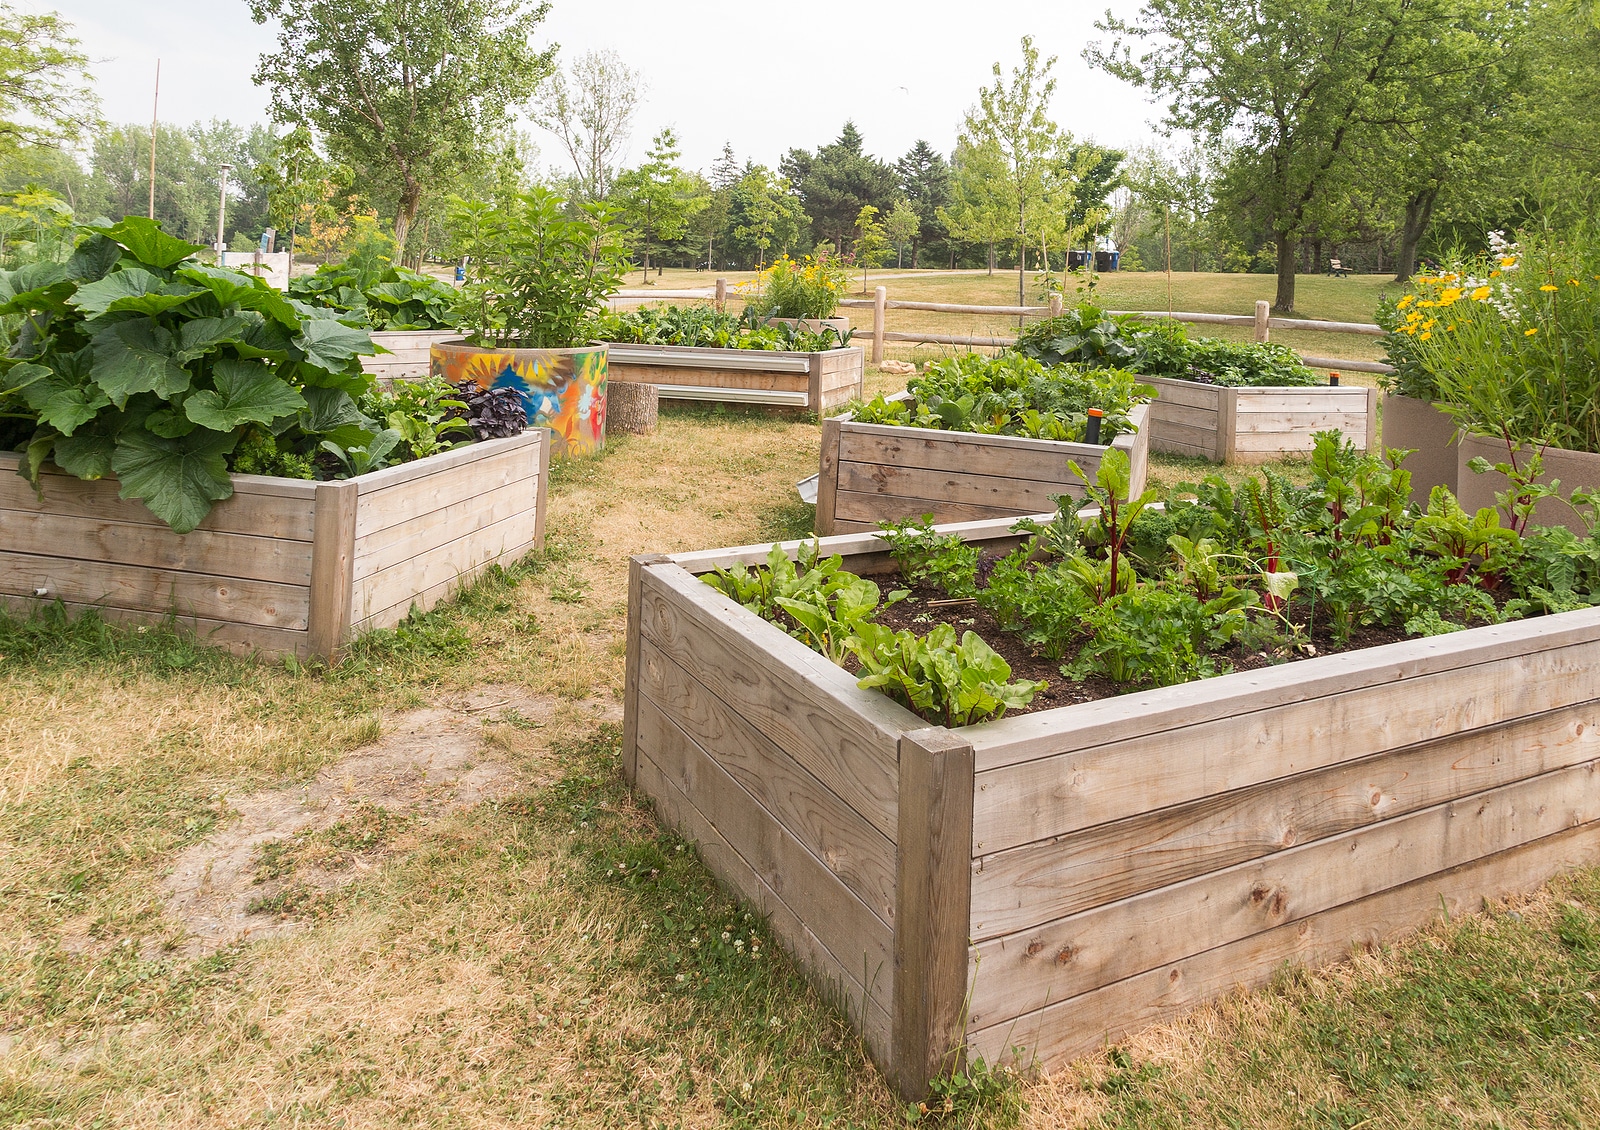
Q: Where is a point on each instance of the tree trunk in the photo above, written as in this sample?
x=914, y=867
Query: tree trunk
x=406, y=212
x=1316, y=256
x=1419, y=210
x=991, y=258
x=916, y=249
x=1287, y=248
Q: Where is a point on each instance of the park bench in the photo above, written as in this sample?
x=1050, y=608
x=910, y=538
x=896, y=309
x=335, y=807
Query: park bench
x=1337, y=269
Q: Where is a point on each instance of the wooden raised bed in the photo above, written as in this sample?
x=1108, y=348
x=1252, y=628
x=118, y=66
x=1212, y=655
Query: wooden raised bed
x=409, y=353
x=870, y=473
x=1033, y=887
x=1256, y=425
x=815, y=382
x=284, y=567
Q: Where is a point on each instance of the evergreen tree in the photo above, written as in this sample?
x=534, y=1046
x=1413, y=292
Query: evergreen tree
x=925, y=181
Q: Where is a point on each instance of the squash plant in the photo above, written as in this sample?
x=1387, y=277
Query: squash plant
x=134, y=359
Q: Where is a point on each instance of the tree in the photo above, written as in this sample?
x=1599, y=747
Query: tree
x=590, y=110
x=925, y=182
x=1013, y=121
x=45, y=97
x=119, y=180
x=658, y=197
x=763, y=214
x=403, y=91
x=1301, y=83
x=296, y=179
x=871, y=244
x=836, y=182
x=901, y=226
x=977, y=210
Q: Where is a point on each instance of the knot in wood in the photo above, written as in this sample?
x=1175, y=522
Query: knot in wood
x=1066, y=954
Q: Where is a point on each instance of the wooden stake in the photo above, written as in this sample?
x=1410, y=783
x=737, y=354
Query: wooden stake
x=155, y=112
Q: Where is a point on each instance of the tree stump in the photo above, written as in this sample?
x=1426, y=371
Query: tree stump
x=632, y=407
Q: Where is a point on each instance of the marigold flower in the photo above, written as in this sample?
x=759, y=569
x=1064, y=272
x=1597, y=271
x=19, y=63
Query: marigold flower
x=1480, y=294
x=1530, y=333
x=1424, y=335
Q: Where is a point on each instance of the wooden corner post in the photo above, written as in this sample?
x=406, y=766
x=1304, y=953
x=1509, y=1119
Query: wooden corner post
x=880, y=303
x=1263, y=319
x=827, y=477
x=630, y=690
x=541, y=488
x=333, y=559
x=1372, y=422
x=933, y=907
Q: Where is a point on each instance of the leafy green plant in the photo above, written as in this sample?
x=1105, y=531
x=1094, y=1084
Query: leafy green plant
x=380, y=296
x=943, y=681
x=807, y=289
x=133, y=359
x=1156, y=635
x=923, y=554
x=1111, y=490
x=537, y=270
x=704, y=326
x=1012, y=395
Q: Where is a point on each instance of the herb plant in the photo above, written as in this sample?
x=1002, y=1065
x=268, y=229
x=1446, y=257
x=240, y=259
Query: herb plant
x=706, y=327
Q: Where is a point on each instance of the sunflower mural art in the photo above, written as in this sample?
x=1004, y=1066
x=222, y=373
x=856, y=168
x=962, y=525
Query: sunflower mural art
x=562, y=389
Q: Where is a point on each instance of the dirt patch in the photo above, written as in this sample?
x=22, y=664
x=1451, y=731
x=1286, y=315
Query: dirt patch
x=423, y=763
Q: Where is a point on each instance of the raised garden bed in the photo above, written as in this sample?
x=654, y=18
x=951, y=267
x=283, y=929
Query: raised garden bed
x=1256, y=425
x=815, y=382
x=1429, y=433
x=1035, y=886
x=284, y=566
x=871, y=473
x=409, y=352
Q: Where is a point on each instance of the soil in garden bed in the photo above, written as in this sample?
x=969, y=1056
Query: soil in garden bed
x=928, y=605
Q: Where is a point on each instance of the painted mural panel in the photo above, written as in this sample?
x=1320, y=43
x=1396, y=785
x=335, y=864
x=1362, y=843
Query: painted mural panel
x=562, y=389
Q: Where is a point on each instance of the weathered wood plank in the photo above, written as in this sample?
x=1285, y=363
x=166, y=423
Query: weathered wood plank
x=332, y=568
x=470, y=453
x=1040, y=799
x=827, y=480
x=1259, y=401
x=842, y=839
x=808, y=707
x=203, y=551
x=1050, y=732
x=1175, y=415
x=1097, y=947
x=398, y=544
x=933, y=903
x=146, y=589
x=239, y=639
x=1051, y=879
x=399, y=503
x=630, y=680
x=250, y=511
x=868, y=510
x=1191, y=394
x=860, y=993
x=858, y=941
x=442, y=564
x=997, y=492
x=1084, y=1024
x=432, y=595
x=711, y=378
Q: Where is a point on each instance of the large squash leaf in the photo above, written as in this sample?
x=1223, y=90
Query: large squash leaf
x=247, y=392
x=64, y=396
x=35, y=286
x=137, y=356
x=149, y=244
x=200, y=336
x=86, y=456
x=178, y=479
x=94, y=258
x=132, y=289
x=331, y=344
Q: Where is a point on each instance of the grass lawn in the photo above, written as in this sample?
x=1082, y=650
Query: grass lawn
x=412, y=891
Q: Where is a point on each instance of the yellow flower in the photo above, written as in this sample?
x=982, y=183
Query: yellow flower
x=1480, y=294
x=1572, y=282
x=1548, y=287
x=1404, y=302
x=1508, y=261
x=1450, y=329
x=1424, y=335
x=1496, y=274
x=1427, y=302
x=1529, y=333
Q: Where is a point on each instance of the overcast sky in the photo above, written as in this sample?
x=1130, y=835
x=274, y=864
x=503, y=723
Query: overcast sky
x=762, y=76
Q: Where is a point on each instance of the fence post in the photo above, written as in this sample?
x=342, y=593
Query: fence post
x=1263, y=325
x=880, y=298
x=722, y=294
x=1055, y=305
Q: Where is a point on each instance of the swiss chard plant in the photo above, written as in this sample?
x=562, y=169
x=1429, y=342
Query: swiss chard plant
x=136, y=360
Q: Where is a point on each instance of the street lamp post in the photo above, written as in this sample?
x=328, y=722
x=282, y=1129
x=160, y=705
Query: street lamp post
x=222, y=214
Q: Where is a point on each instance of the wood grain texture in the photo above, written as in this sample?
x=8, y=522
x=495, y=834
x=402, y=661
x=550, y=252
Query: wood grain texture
x=933, y=906
x=399, y=544
x=630, y=680
x=1072, y=955
x=1040, y=799
x=860, y=993
x=433, y=594
x=238, y=639
x=386, y=504
x=827, y=478
x=332, y=568
x=857, y=941
x=1038, y=882
x=1083, y=1024
x=542, y=495
x=811, y=709
x=454, y=562
x=434, y=465
x=140, y=588
x=843, y=840
x=281, y=560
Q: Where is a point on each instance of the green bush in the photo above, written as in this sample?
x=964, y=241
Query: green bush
x=808, y=289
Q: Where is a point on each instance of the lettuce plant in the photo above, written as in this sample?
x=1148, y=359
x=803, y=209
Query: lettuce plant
x=134, y=359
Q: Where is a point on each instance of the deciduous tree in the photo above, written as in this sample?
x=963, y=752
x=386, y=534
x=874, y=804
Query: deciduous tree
x=589, y=107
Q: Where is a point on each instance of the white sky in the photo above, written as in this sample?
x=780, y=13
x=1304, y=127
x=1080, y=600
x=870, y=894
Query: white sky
x=766, y=77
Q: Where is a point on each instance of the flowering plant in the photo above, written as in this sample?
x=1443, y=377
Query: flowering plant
x=807, y=289
x=1507, y=342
